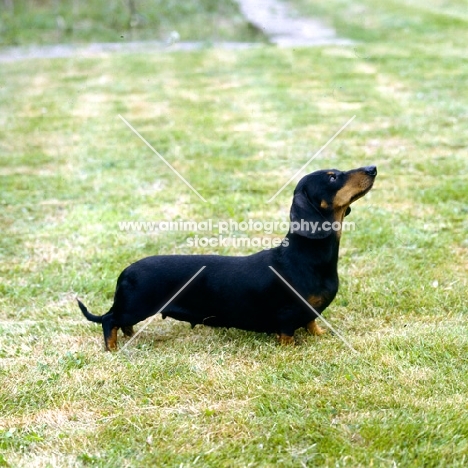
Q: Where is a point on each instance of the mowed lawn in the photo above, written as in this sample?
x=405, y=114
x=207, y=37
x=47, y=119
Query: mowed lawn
x=237, y=125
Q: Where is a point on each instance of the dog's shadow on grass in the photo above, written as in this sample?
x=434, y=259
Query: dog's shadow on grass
x=174, y=334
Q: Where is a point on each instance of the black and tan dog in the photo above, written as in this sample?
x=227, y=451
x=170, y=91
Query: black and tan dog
x=244, y=292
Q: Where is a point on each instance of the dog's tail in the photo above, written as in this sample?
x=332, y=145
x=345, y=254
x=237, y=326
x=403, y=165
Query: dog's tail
x=89, y=315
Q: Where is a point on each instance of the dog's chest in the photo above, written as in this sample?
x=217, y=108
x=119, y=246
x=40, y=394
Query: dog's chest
x=320, y=294
x=320, y=301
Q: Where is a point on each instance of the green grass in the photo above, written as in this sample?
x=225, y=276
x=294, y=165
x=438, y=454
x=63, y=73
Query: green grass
x=237, y=125
x=51, y=21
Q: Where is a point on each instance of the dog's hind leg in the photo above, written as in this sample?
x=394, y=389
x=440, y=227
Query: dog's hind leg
x=110, y=333
x=285, y=339
x=128, y=330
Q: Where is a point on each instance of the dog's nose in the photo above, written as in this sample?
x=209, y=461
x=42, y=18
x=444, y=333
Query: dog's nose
x=371, y=170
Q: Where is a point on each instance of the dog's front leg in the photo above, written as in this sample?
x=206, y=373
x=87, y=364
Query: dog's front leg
x=314, y=329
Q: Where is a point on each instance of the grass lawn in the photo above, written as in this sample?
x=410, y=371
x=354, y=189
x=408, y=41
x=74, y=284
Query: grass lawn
x=237, y=125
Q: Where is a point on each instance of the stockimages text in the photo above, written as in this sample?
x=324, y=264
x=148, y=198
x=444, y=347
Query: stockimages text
x=245, y=233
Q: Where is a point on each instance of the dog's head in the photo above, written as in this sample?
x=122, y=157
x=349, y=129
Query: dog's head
x=323, y=198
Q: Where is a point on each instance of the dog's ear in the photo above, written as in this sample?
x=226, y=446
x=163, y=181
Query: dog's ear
x=307, y=218
x=348, y=210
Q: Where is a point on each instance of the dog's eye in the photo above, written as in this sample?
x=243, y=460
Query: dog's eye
x=332, y=177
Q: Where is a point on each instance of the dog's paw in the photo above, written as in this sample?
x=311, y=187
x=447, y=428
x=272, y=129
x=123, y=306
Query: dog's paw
x=314, y=329
x=285, y=339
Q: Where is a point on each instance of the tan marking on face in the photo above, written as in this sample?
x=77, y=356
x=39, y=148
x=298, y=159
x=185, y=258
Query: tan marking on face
x=339, y=215
x=356, y=184
x=111, y=342
x=330, y=173
x=323, y=204
x=314, y=329
x=285, y=339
